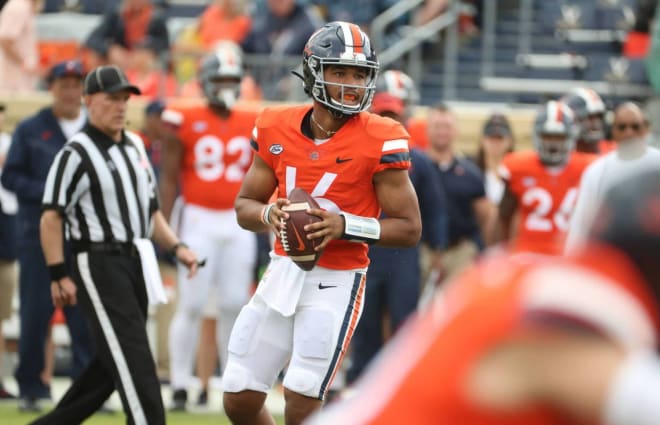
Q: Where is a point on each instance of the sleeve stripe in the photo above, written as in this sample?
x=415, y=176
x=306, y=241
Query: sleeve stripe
x=171, y=116
x=392, y=145
x=395, y=157
x=254, y=145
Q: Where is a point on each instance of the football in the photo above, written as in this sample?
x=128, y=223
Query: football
x=293, y=236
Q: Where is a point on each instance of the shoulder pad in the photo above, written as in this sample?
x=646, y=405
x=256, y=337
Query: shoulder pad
x=383, y=127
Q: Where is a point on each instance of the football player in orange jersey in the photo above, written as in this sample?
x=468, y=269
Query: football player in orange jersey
x=534, y=340
x=589, y=110
x=399, y=84
x=206, y=156
x=542, y=184
x=354, y=164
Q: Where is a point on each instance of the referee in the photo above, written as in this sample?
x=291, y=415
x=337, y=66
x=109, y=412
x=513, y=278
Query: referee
x=103, y=187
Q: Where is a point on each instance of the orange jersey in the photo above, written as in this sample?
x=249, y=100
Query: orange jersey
x=546, y=199
x=422, y=378
x=216, y=153
x=337, y=173
x=606, y=146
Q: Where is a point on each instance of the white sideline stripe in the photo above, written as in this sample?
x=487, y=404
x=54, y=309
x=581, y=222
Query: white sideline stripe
x=113, y=343
x=397, y=144
x=298, y=206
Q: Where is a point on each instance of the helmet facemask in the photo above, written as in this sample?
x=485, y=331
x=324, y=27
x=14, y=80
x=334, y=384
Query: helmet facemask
x=319, y=87
x=222, y=92
x=593, y=130
x=554, y=149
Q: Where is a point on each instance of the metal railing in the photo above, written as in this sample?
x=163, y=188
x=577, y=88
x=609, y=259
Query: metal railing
x=411, y=41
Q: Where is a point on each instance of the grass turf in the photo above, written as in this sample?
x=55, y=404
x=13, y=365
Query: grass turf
x=9, y=415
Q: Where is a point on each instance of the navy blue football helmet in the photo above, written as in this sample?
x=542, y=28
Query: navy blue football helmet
x=339, y=43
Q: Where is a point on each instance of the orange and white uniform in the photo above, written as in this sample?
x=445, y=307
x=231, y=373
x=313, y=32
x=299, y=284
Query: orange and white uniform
x=338, y=173
x=215, y=156
x=306, y=319
x=216, y=153
x=546, y=198
x=423, y=377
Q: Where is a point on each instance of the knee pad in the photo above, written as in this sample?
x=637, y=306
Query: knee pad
x=242, y=339
x=301, y=381
x=235, y=378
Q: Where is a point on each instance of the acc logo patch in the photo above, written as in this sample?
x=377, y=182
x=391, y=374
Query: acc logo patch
x=276, y=149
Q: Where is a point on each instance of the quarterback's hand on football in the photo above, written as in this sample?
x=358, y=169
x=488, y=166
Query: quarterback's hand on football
x=276, y=215
x=331, y=227
x=63, y=292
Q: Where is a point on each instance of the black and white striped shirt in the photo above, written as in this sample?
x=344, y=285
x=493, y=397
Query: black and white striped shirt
x=105, y=190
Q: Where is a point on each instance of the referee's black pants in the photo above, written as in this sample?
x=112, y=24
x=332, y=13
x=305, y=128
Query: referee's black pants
x=112, y=294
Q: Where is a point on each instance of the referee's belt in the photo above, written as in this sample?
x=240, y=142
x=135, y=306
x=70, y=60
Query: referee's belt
x=116, y=248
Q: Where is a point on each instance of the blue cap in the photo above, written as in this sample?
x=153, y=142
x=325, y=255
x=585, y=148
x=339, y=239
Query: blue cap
x=70, y=68
x=155, y=107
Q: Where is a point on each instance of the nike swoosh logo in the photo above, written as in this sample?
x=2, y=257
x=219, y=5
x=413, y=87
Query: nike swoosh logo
x=301, y=241
x=322, y=286
x=342, y=160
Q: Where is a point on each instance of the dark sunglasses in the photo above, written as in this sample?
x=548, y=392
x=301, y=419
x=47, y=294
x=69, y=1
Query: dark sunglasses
x=633, y=126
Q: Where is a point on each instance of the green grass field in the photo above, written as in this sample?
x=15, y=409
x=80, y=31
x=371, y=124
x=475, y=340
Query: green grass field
x=9, y=415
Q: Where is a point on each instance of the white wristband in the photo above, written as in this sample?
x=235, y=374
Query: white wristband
x=265, y=217
x=360, y=229
x=633, y=394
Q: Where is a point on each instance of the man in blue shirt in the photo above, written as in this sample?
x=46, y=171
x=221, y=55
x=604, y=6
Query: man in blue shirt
x=36, y=141
x=394, y=276
x=471, y=214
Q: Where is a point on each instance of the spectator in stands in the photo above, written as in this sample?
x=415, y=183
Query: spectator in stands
x=19, y=54
x=35, y=143
x=496, y=141
x=394, y=275
x=471, y=214
x=638, y=40
x=429, y=10
x=221, y=20
x=149, y=72
x=360, y=12
x=123, y=28
x=280, y=31
x=629, y=132
x=8, y=270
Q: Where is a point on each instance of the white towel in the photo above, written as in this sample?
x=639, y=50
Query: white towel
x=151, y=272
x=281, y=285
